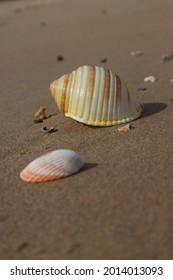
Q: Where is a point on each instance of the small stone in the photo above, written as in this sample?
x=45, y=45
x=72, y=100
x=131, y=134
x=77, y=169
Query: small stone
x=104, y=12
x=167, y=57
x=141, y=33
x=43, y=23
x=151, y=79
x=47, y=147
x=104, y=60
x=141, y=89
x=60, y=58
x=171, y=80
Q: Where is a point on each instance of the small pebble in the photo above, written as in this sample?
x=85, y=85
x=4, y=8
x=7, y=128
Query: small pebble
x=125, y=128
x=167, y=57
x=48, y=130
x=43, y=23
x=136, y=53
x=171, y=80
x=151, y=79
x=104, y=12
x=104, y=60
x=60, y=58
x=141, y=89
x=47, y=147
x=141, y=33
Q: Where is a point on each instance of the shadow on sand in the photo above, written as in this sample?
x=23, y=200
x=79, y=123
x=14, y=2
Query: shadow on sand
x=88, y=166
x=152, y=108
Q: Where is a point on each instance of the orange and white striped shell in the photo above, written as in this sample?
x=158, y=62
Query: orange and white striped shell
x=94, y=96
x=52, y=166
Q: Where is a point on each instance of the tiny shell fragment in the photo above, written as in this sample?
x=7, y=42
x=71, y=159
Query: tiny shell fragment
x=48, y=130
x=151, y=79
x=125, y=128
x=136, y=53
x=40, y=114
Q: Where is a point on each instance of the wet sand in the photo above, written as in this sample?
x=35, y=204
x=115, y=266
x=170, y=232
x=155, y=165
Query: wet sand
x=120, y=205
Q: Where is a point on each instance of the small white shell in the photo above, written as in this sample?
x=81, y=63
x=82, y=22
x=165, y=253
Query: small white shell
x=94, y=96
x=151, y=79
x=54, y=165
x=48, y=130
x=136, y=53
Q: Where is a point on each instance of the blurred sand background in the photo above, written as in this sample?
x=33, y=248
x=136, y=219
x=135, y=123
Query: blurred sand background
x=120, y=205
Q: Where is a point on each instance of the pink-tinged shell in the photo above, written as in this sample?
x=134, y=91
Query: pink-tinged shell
x=52, y=166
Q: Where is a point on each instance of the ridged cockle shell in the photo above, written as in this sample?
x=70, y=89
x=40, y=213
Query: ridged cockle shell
x=95, y=96
x=53, y=165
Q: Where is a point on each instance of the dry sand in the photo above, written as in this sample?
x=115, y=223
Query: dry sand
x=120, y=205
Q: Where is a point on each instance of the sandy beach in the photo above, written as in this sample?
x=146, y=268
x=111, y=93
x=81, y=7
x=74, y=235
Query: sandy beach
x=120, y=205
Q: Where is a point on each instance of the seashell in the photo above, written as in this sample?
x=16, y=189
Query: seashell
x=53, y=165
x=48, y=130
x=40, y=114
x=94, y=96
x=151, y=79
x=125, y=128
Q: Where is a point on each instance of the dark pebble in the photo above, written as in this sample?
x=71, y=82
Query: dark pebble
x=141, y=89
x=104, y=60
x=43, y=24
x=104, y=12
x=22, y=246
x=60, y=58
x=167, y=57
